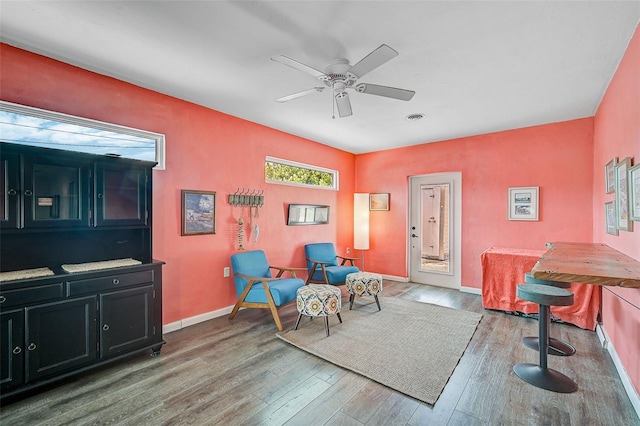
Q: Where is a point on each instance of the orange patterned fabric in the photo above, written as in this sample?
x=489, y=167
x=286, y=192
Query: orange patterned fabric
x=504, y=268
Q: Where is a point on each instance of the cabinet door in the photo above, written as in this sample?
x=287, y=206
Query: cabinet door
x=56, y=192
x=60, y=336
x=120, y=195
x=126, y=320
x=11, y=349
x=10, y=183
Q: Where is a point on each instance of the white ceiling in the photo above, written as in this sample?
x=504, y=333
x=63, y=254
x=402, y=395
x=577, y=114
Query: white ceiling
x=476, y=67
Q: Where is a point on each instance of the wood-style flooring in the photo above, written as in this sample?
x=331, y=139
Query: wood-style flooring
x=238, y=373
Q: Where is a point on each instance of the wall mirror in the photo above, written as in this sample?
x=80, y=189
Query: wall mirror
x=307, y=214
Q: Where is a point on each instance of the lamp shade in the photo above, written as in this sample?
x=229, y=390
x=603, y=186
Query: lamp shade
x=361, y=221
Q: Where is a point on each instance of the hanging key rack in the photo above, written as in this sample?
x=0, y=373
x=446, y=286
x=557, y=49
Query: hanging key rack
x=247, y=197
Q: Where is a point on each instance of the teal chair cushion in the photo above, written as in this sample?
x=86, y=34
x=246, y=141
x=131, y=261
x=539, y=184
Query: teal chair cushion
x=282, y=290
x=254, y=263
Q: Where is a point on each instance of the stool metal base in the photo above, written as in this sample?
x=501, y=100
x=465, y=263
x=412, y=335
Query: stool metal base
x=353, y=296
x=545, y=378
x=326, y=321
x=556, y=347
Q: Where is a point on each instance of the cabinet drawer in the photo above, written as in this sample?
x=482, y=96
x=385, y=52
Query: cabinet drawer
x=110, y=282
x=27, y=296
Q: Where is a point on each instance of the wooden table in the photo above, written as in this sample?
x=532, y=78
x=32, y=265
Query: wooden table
x=589, y=263
x=504, y=268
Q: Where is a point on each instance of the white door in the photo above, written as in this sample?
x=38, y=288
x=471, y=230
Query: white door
x=434, y=229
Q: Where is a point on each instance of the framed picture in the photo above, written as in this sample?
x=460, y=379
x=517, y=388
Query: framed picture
x=379, y=201
x=610, y=175
x=634, y=194
x=610, y=218
x=308, y=214
x=623, y=215
x=523, y=203
x=198, y=212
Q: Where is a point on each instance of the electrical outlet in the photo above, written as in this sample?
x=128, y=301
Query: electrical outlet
x=348, y=250
x=226, y=271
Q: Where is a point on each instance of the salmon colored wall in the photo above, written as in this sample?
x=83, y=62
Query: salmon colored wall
x=617, y=134
x=556, y=157
x=206, y=150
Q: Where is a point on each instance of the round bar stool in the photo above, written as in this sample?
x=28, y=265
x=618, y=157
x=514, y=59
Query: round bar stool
x=540, y=375
x=318, y=300
x=556, y=346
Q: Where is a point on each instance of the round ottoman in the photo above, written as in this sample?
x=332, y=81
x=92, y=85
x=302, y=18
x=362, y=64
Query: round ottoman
x=363, y=284
x=318, y=300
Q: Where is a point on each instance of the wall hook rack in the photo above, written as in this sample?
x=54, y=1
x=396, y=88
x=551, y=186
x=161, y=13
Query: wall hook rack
x=247, y=197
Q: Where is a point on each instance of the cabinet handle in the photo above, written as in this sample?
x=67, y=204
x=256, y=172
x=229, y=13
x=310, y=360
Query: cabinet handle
x=116, y=281
x=28, y=193
x=3, y=299
x=17, y=350
x=105, y=327
x=12, y=192
x=32, y=347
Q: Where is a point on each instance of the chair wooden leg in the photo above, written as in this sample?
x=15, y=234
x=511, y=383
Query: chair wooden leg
x=377, y=301
x=339, y=317
x=326, y=324
x=235, y=310
x=351, y=298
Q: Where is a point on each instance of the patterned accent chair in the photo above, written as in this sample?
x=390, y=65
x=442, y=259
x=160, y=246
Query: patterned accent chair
x=257, y=288
x=322, y=264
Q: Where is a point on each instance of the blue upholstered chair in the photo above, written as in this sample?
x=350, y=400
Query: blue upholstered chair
x=257, y=288
x=322, y=264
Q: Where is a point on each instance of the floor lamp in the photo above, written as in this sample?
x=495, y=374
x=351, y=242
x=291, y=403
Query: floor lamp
x=361, y=223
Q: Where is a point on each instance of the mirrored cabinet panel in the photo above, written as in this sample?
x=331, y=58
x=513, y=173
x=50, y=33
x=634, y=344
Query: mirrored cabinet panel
x=54, y=193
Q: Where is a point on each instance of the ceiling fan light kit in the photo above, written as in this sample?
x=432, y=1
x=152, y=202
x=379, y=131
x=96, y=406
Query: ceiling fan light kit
x=340, y=76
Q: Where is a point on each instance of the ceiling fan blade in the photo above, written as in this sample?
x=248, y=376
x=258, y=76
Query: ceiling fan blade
x=300, y=66
x=299, y=94
x=373, y=60
x=386, y=91
x=344, y=104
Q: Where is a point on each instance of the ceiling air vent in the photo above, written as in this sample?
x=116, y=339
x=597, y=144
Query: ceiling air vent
x=415, y=117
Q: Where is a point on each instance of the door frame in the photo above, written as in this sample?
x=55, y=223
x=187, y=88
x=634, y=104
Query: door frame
x=453, y=279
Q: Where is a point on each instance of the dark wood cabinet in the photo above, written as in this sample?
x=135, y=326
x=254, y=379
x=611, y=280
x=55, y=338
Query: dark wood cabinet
x=60, y=208
x=59, y=336
x=10, y=184
x=55, y=191
x=12, y=345
x=120, y=195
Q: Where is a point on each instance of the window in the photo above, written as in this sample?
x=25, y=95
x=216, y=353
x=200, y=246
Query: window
x=24, y=125
x=287, y=172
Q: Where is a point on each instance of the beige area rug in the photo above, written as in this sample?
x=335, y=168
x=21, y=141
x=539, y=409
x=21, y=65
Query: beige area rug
x=409, y=346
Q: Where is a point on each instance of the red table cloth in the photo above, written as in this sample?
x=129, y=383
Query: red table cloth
x=504, y=268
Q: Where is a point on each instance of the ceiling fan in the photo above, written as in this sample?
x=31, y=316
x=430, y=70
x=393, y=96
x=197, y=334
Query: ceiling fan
x=340, y=75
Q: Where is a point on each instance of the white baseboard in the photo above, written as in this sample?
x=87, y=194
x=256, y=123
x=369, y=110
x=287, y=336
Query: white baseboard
x=174, y=326
x=472, y=290
x=624, y=377
x=394, y=278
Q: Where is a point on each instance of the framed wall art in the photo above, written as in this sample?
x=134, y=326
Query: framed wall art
x=198, y=212
x=523, y=203
x=308, y=214
x=610, y=218
x=623, y=215
x=379, y=202
x=634, y=192
x=610, y=175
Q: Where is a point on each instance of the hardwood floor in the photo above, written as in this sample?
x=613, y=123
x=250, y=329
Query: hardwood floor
x=238, y=373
